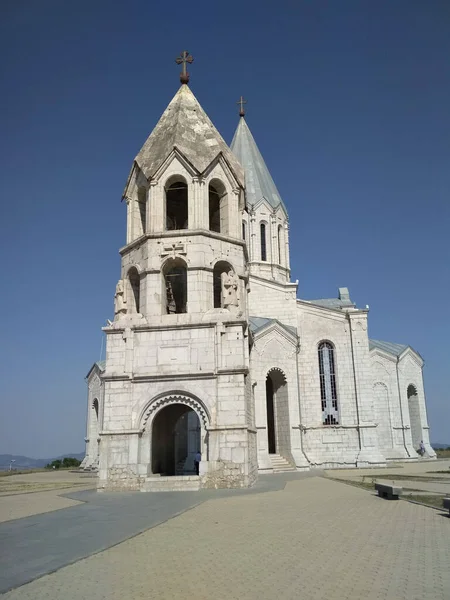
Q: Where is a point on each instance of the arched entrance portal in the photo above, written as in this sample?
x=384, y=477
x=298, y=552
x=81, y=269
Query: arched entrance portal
x=277, y=413
x=175, y=440
x=414, y=416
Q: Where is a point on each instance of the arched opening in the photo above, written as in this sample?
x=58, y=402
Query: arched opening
x=225, y=285
x=328, y=388
x=176, y=439
x=280, y=234
x=263, y=242
x=134, y=296
x=177, y=205
x=414, y=416
x=93, y=434
x=142, y=205
x=277, y=407
x=175, y=286
x=218, y=207
x=244, y=231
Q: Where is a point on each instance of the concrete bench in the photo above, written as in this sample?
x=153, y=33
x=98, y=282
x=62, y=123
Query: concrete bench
x=446, y=504
x=390, y=492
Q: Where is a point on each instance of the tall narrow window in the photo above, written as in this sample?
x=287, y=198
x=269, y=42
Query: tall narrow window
x=177, y=206
x=175, y=287
x=279, y=243
x=244, y=230
x=328, y=390
x=214, y=209
x=263, y=242
x=142, y=204
x=218, y=207
x=134, y=288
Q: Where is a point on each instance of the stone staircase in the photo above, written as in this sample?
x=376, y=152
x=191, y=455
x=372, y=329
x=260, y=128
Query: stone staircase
x=280, y=464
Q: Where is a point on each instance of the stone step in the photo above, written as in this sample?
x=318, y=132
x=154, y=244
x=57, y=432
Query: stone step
x=280, y=464
x=171, y=484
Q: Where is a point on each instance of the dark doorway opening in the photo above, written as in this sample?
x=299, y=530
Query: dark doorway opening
x=175, y=440
x=271, y=437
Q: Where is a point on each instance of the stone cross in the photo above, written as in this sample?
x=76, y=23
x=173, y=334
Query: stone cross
x=241, y=103
x=183, y=59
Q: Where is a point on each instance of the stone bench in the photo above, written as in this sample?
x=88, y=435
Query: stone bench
x=446, y=504
x=389, y=492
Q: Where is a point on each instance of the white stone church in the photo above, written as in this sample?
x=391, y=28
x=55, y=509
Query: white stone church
x=212, y=351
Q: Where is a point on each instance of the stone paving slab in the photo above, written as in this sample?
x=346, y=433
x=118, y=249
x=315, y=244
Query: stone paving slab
x=316, y=539
x=40, y=544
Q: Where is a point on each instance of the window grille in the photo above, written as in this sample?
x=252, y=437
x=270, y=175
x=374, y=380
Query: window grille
x=328, y=389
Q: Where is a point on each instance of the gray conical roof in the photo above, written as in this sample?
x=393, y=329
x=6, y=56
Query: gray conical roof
x=185, y=125
x=258, y=180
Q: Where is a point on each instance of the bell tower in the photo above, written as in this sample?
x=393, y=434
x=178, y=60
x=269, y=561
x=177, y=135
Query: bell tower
x=177, y=351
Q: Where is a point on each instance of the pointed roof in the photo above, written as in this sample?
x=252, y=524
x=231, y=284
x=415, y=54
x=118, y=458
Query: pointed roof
x=184, y=125
x=258, y=180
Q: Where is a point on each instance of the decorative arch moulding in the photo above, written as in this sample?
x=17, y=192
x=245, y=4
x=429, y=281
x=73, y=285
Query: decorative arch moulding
x=175, y=398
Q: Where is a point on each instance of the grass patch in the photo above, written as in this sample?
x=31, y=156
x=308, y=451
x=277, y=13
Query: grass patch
x=441, y=453
x=25, y=472
x=427, y=500
x=435, y=501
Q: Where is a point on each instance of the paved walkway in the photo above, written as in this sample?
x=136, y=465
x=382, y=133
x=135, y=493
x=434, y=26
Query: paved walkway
x=316, y=539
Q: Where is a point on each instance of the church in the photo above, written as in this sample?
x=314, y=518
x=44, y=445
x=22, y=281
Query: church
x=216, y=371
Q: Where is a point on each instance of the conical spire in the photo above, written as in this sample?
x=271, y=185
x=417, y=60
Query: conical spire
x=258, y=180
x=185, y=126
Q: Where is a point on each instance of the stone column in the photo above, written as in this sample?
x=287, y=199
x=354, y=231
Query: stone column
x=252, y=236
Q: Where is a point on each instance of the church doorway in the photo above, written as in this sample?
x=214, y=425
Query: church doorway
x=271, y=435
x=414, y=416
x=277, y=406
x=175, y=440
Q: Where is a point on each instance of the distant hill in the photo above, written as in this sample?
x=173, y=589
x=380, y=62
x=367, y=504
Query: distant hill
x=24, y=462
x=437, y=446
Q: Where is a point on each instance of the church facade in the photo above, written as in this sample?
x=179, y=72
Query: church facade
x=211, y=352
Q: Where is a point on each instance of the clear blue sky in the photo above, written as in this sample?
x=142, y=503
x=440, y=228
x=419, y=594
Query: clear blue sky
x=349, y=103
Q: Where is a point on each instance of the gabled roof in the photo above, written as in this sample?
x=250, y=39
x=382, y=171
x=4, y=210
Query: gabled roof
x=342, y=301
x=258, y=323
x=389, y=347
x=101, y=365
x=184, y=125
x=258, y=180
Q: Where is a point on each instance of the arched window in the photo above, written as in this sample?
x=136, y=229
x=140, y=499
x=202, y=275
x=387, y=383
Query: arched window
x=95, y=407
x=142, y=205
x=244, y=230
x=177, y=205
x=328, y=389
x=175, y=287
x=414, y=416
x=263, y=242
x=280, y=233
x=134, y=299
x=221, y=269
x=218, y=207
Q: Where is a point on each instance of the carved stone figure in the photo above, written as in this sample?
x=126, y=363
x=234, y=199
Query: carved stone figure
x=230, y=289
x=120, y=303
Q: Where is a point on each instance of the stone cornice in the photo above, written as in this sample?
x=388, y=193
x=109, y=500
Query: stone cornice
x=177, y=233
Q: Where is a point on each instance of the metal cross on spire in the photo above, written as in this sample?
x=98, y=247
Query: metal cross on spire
x=183, y=59
x=241, y=103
